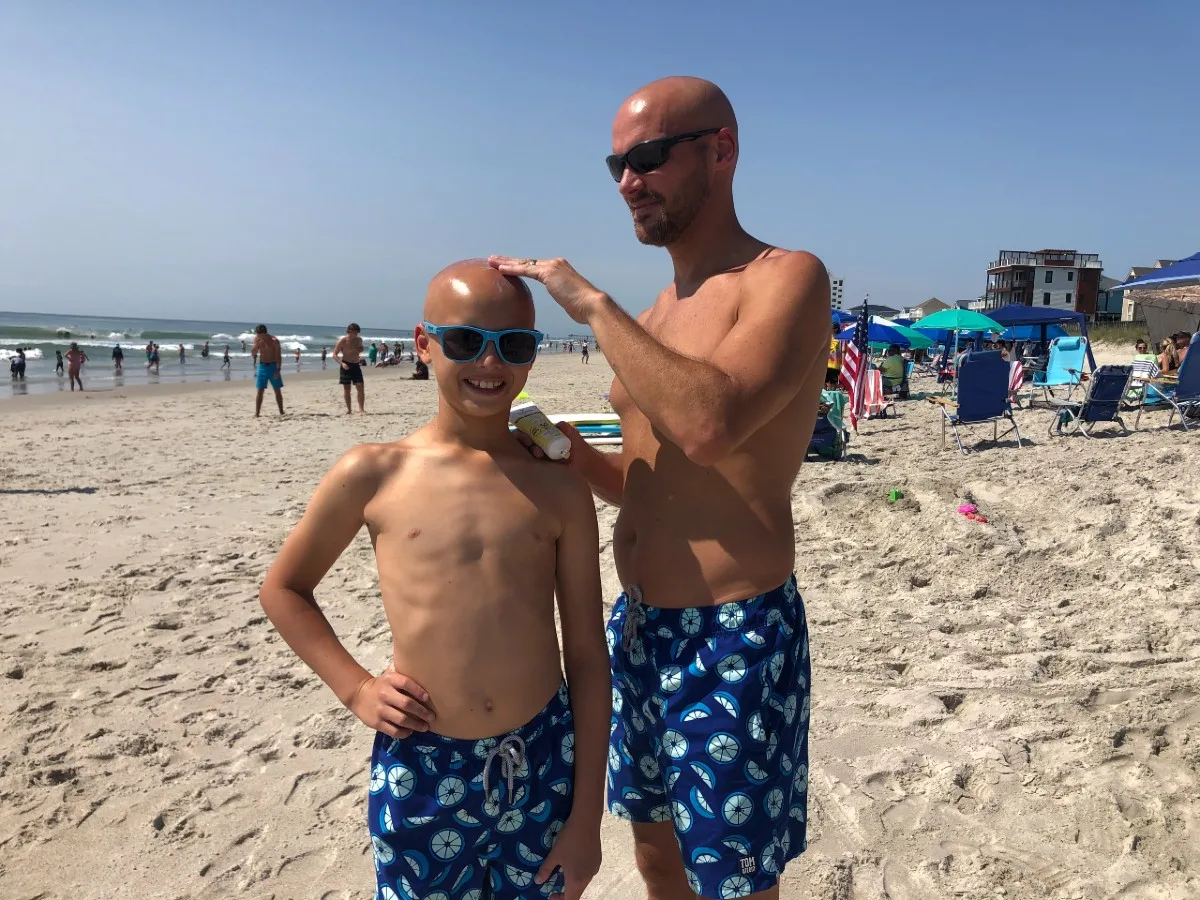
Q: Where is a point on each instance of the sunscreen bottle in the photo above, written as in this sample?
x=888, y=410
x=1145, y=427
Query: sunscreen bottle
x=528, y=419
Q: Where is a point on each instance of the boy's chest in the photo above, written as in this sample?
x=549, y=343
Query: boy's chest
x=465, y=521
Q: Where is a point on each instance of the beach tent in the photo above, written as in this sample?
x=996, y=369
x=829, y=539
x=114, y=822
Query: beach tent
x=1170, y=303
x=1175, y=274
x=1042, y=316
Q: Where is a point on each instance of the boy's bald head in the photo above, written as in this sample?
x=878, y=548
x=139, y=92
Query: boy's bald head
x=472, y=292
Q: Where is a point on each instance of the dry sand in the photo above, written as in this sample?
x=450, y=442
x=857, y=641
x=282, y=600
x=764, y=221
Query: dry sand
x=1002, y=710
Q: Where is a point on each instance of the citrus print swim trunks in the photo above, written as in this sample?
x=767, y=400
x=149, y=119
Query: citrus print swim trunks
x=710, y=732
x=454, y=819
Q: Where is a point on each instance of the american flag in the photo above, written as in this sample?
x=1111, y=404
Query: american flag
x=856, y=365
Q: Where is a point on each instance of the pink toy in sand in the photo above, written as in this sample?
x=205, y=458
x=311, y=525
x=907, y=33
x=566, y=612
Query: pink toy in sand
x=967, y=508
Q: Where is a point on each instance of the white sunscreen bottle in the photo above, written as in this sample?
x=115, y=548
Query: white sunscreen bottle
x=530, y=420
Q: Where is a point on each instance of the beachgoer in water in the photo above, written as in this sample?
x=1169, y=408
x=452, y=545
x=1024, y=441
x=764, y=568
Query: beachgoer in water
x=58, y=362
x=204, y=350
x=718, y=800
x=16, y=366
x=118, y=359
x=324, y=354
x=75, y=360
x=470, y=594
x=267, y=356
x=226, y=362
x=347, y=353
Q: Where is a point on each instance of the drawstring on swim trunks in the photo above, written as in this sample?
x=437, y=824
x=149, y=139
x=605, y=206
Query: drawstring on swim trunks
x=511, y=753
x=635, y=615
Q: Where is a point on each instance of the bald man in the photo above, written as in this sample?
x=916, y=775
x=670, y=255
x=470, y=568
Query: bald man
x=717, y=386
x=473, y=540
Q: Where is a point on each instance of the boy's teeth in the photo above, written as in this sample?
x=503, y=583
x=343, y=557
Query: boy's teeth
x=486, y=385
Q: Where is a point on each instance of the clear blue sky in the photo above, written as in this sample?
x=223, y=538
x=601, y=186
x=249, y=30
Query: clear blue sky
x=315, y=161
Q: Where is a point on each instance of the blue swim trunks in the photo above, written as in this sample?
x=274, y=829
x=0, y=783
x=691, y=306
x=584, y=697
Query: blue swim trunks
x=710, y=731
x=453, y=818
x=267, y=373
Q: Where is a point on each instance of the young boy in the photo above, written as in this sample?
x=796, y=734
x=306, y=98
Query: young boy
x=487, y=771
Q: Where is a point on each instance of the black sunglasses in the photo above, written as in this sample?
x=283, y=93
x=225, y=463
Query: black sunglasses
x=650, y=155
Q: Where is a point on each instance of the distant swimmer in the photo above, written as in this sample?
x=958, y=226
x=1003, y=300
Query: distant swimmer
x=268, y=360
x=75, y=360
x=324, y=356
x=204, y=350
x=118, y=358
x=347, y=353
x=58, y=362
x=297, y=359
x=226, y=363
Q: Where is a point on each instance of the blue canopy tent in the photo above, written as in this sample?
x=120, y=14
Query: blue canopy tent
x=841, y=318
x=1184, y=270
x=1166, y=315
x=1043, y=317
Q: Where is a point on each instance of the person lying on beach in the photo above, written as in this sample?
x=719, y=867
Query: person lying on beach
x=500, y=791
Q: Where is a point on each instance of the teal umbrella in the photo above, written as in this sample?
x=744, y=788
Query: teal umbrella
x=955, y=319
x=916, y=340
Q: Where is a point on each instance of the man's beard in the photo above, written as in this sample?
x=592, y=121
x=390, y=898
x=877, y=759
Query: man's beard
x=670, y=220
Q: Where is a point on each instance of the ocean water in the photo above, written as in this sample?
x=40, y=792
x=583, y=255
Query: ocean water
x=41, y=335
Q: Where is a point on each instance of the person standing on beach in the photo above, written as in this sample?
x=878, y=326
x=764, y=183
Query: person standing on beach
x=717, y=386
x=267, y=356
x=347, y=353
x=500, y=791
x=75, y=360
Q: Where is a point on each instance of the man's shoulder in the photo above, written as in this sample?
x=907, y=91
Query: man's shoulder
x=795, y=266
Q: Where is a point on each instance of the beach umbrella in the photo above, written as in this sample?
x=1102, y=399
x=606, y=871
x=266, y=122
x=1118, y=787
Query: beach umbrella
x=955, y=319
x=916, y=340
x=878, y=334
x=841, y=318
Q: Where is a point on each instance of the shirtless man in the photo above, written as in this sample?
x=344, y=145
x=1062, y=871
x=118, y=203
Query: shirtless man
x=717, y=387
x=75, y=360
x=347, y=353
x=474, y=541
x=268, y=359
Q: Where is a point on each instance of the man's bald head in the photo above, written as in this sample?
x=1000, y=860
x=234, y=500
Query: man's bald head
x=678, y=104
x=693, y=175
x=470, y=292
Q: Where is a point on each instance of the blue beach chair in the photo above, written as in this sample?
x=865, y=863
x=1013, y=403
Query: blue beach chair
x=1106, y=390
x=982, y=397
x=1064, y=368
x=1183, y=391
x=830, y=437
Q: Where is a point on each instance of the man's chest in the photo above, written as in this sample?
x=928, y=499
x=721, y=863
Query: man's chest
x=694, y=325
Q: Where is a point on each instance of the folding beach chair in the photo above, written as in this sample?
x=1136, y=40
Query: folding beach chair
x=830, y=437
x=1064, y=368
x=982, y=397
x=1182, y=391
x=1102, y=403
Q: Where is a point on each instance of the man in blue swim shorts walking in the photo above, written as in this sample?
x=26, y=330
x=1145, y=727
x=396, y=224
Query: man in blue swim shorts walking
x=717, y=386
x=268, y=360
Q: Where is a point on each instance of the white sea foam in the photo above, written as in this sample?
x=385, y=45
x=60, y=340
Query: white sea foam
x=31, y=353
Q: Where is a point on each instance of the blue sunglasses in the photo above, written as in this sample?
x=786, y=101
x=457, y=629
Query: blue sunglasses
x=466, y=343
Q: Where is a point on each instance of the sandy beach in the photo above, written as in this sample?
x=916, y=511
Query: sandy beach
x=1001, y=710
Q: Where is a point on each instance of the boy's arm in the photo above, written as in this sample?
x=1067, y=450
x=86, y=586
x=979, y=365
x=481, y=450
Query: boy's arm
x=337, y=348
x=585, y=653
x=334, y=516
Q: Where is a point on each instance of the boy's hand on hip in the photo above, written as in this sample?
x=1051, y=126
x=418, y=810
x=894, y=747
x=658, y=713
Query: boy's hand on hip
x=577, y=852
x=393, y=704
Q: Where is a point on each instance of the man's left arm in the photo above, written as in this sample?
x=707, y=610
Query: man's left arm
x=708, y=407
